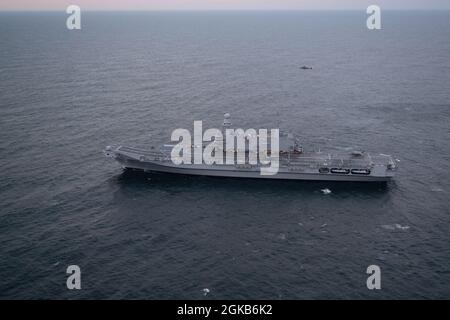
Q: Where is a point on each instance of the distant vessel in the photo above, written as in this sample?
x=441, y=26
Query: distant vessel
x=306, y=68
x=294, y=163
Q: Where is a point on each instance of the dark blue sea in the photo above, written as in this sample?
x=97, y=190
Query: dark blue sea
x=132, y=78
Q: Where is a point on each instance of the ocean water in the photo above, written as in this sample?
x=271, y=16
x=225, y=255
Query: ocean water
x=132, y=78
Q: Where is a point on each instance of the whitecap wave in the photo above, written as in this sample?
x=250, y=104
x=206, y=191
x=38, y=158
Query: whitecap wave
x=395, y=226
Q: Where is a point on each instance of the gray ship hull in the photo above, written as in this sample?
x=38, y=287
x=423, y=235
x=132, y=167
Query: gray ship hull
x=234, y=173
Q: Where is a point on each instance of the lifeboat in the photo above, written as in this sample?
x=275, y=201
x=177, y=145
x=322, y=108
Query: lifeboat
x=340, y=170
x=361, y=171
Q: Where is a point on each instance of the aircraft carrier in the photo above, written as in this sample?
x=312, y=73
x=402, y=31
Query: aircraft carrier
x=294, y=163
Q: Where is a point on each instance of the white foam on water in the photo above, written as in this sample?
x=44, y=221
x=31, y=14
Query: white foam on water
x=326, y=191
x=398, y=226
x=395, y=227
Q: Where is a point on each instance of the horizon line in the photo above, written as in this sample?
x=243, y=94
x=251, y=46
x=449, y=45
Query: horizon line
x=220, y=10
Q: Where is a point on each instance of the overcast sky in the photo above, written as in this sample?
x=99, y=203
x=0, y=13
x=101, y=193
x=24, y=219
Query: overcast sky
x=221, y=4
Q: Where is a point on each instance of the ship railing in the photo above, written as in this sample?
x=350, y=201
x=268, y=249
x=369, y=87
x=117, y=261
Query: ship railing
x=325, y=162
x=382, y=158
x=147, y=154
x=290, y=159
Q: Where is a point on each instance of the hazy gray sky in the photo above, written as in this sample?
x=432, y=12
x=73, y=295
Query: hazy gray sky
x=220, y=4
